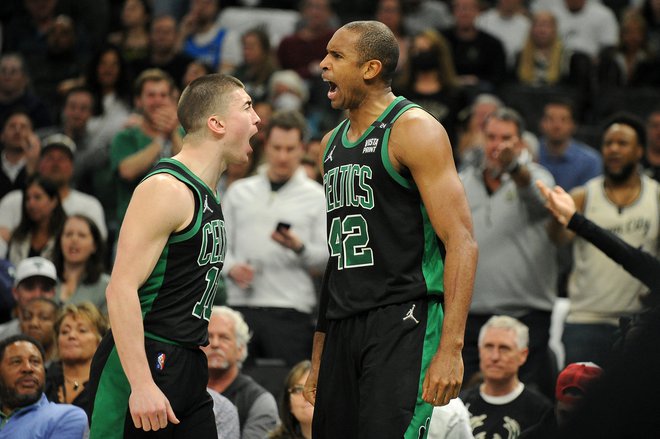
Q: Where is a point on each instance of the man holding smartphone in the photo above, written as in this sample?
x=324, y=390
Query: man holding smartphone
x=276, y=231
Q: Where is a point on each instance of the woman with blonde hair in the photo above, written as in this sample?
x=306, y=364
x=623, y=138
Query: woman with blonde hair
x=296, y=412
x=544, y=61
x=78, y=332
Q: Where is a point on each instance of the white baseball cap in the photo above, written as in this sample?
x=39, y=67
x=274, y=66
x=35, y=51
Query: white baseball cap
x=36, y=266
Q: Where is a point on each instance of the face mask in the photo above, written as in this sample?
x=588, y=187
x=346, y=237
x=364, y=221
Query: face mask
x=287, y=101
x=424, y=61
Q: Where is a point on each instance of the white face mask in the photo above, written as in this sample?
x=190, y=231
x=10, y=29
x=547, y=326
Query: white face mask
x=288, y=101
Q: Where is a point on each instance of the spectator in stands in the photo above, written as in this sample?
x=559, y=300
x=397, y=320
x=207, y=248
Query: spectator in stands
x=586, y=26
x=618, y=66
x=420, y=15
x=545, y=60
x=35, y=277
x=226, y=352
x=650, y=10
x=19, y=153
x=258, y=64
x=471, y=140
x=63, y=60
x=79, y=256
x=79, y=329
x=390, y=13
x=304, y=50
x=573, y=385
x=15, y=93
x=571, y=162
x=508, y=22
x=509, y=215
x=56, y=166
x=194, y=70
x=202, y=37
x=287, y=91
x=136, y=149
x=164, y=53
x=651, y=159
x=268, y=268
x=626, y=202
x=503, y=406
x=430, y=80
x=76, y=113
x=37, y=320
x=42, y=217
x=25, y=408
x=109, y=79
x=296, y=411
x=28, y=26
x=479, y=57
x=133, y=37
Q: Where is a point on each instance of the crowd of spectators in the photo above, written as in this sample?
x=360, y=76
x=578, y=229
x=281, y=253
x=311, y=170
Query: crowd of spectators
x=88, y=93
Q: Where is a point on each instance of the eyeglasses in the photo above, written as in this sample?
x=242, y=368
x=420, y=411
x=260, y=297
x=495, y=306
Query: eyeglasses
x=297, y=389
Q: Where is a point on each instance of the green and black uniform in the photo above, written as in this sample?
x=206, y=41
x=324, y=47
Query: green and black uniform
x=381, y=303
x=176, y=302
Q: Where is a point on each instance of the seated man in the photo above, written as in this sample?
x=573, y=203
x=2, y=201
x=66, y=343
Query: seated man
x=35, y=277
x=226, y=352
x=502, y=406
x=25, y=411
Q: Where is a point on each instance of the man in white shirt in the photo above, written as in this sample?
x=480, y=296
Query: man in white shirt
x=276, y=234
x=507, y=22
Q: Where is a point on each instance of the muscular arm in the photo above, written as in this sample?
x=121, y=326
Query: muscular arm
x=321, y=325
x=420, y=144
x=149, y=221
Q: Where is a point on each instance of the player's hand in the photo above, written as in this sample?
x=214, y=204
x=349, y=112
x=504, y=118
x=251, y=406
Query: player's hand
x=309, y=391
x=150, y=408
x=558, y=202
x=443, y=377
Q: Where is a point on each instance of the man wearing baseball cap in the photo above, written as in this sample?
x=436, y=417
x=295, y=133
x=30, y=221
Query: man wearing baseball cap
x=572, y=385
x=35, y=277
x=55, y=164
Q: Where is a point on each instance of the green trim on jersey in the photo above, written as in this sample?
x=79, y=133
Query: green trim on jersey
x=152, y=336
x=111, y=402
x=344, y=138
x=332, y=138
x=433, y=266
x=385, y=156
x=419, y=424
x=178, y=236
x=216, y=196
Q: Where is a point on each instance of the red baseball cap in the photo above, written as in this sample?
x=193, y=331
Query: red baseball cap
x=575, y=376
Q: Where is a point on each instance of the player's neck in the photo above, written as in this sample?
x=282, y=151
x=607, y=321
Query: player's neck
x=204, y=161
x=370, y=109
x=220, y=379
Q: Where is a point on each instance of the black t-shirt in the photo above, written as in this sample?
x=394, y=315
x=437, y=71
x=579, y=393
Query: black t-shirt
x=506, y=420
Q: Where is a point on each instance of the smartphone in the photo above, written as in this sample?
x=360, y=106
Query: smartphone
x=282, y=226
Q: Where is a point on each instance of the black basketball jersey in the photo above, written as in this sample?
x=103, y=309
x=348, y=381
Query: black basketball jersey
x=177, y=297
x=383, y=249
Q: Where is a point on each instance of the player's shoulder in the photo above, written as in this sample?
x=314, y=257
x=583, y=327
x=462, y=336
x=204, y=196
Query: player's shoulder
x=416, y=122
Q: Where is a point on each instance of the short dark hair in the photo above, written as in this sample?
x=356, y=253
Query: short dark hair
x=287, y=120
x=203, y=97
x=20, y=337
x=95, y=265
x=562, y=102
x=629, y=119
x=507, y=114
x=376, y=42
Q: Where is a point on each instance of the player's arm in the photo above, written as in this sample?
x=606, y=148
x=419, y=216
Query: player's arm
x=149, y=220
x=321, y=322
x=421, y=144
x=557, y=230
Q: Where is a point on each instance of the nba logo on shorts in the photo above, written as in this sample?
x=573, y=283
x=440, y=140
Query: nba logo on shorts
x=160, y=361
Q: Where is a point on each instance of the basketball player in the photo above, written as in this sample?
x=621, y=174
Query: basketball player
x=400, y=238
x=149, y=373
